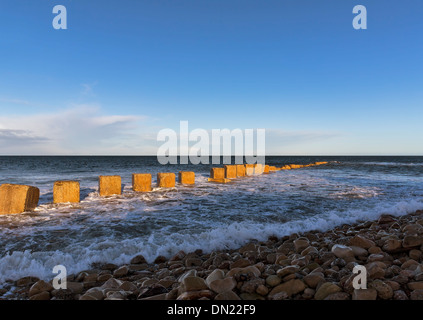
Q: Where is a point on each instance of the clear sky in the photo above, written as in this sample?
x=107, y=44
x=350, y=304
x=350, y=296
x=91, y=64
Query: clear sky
x=125, y=69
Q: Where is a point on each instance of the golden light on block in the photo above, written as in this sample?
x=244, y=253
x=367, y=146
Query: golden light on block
x=224, y=180
x=240, y=170
x=15, y=198
x=217, y=173
x=166, y=180
x=272, y=168
x=249, y=169
x=141, y=182
x=258, y=169
x=186, y=177
x=320, y=163
x=230, y=172
x=266, y=169
x=66, y=191
x=286, y=167
x=109, y=185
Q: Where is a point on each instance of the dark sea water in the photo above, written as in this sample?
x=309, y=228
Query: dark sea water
x=205, y=216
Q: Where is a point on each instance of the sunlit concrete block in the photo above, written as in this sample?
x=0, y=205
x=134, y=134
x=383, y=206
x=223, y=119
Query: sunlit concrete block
x=258, y=169
x=249, y=169
x=224, y=180
x=66, y=191
x=16, y=198
x=230, y=172
x=286, y=167
x=240, y=170
x=272, y=168
x=141, y=182
x=166, y=180
x=266, y=169
x=186, y=177
x=217, y=173
x=109, y=185
x=320, y=163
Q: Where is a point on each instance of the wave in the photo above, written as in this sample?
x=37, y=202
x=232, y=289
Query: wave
x=81, y=255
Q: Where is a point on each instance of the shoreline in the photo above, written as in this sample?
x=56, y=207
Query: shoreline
x=311, y=265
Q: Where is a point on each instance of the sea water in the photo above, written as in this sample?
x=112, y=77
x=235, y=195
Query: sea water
x=206, y=216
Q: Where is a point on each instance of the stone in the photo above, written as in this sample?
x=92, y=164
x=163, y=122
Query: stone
x=359, y=252
x=313, y=279
x=412, y=241
x=240, y=263
x=26, y=281
x=166, y=180
x=217, y=173
x=384, y=290
x=279, y=296
x=300, y=244
x=194, y=284
x=262, y=290
x=141, y=182
x=223, y=285
x=266, y=169
x=273, y=280
x=230, y=172
x=75, y=287
x=342, y=251
x=416, y=294
x=121, y=272
x=400, y=295
x=287, y=271
x=361, y=241
x=217, y=274
x=374, y=250
x=326, y=289
x=40, y=286
x=109, y=185
x=196, y=295
x=291, y=287
x=240, y=170
x=250, y=286
x=16, y=198
x=418, y=285
x=375, y=271
x=415, y=254
x=391, y=245
x=66, y=191
x=138, y=259
x=228, y=295
x=45, y=295
x=186, y=177
x=364, y=294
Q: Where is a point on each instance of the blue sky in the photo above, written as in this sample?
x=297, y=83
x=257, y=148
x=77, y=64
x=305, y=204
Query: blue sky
x=125, y=69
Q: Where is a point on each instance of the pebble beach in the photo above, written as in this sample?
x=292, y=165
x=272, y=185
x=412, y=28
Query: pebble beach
x=308, y=266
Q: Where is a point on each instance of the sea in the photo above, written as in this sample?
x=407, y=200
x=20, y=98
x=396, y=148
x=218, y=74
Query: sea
x=207, y=216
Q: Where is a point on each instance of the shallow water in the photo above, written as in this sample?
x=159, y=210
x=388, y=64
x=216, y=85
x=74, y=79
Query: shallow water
x=206, y=216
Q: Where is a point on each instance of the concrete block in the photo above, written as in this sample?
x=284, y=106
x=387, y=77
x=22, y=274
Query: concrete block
x=266, y=169
x=249, y=169
x=166, y=180
x=217, y=173
x=141, y=182
x=15, y=198
x=240, y=170
x=66, y=191
x=272, y=168
x=286, y=167
x=109, y=185
x=186, y=177
x=258, y=168
x=230, y=172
